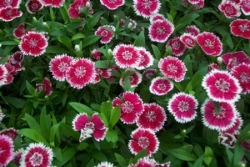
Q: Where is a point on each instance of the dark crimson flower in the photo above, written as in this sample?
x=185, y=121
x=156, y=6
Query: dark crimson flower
x=106, y=32
x=149, y=73
x=134, y=78
x=160, y=30
x=160, y=86
x=144, y=162
x=240, y=28
x=9, y=13
x=246, y=145
x=7, y=150
x=96, y=54
x=182, y=106
x=221, y=86
x=227, y=139
x=33, y=43
x=223, y=119
x=235, y=58
x=54, y=3
x=131, y=25
x=45, y=86
x=16, y=58
x=153, y=117
x=146, y=58
x=242, y=73
x=112, y=4
x=172, y=68
x=178, y=48
x=11, y=132
x=193, y=30
x=155, y=17
x=19, y=31
x=105, y=164
x=145, y=8
x=245, y=7
x=212, y=67
x=80, y=73
x=236, y=1
x=3, y=74
x=12, y=3
x=37, y=155
x=188, y=40
x=131, y=107
x=89, y=127
x=17, y=156
x=126, y=56
x=235, y=128
x=209, y=43
x=143, y=139
x=230, y=9
x=34, y=6
x=77, y=7
x=59, y=65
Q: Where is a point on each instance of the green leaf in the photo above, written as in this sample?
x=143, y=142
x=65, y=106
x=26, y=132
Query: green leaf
x=89, y=40
x=196, y=79
x=64, y=13
x=186, y=20
x=140, y=40
x=56, y=50
x=16, y=102
x=156, y=51
x=112, y=136
x=45, y=122
x=230, y=155
x=33, y=124
x=182, y=154
x=208, y=155
x=67, y=154
x=33, y=135
x=93, y=21
x=53, y=131
x=106, y=108
x=77, y=36
x=198, y=162
x=30, y=88
x=238, y=154
x=99, y=155
x=141, y=154
x=121, y=161
x=115, y=116
x=81, y=108
x=66, y=41
x=102, y=64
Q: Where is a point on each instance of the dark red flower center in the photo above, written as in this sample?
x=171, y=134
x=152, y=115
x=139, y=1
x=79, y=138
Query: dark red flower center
x=127, y=55
x=80, y=72
x=222, y=85
x=36, y=159
x=104, y=33
x=143, y=142
x=245, y=77
x=151, y=116
x=183, y=106
x=176, y=45
x=127, y=107
x=161, y=86
x=160, y=30
x=33, y=43
x=229, y=10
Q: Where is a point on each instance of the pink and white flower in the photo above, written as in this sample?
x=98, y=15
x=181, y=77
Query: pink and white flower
x=126, y=56
x=3, y=74
x=221, y=86
x=11, y=132
x=134, y=78
x=212, y=67
x=77, y=7
x=160, y=30
x=112, y=5
x=131, y=107
x=45, y=86
x=146, y=8
x=131, y=25
x=230, y=9
x=7, y=150
x=153, y=117
x=105, y=164
x=19, y=31
x=160, y=86
x=182, y=106
x=178, y=48
x=235, y=128
x=16, y=58
x=220, y=120
x=143, y=139
x=54, y=3
x=194, y=2
x=33, y=43
x=147, y=162
x=9, y=13
x=96, y=54
x=34, y=6
x=106, y=32
x=12, y=3
x=89, y=127
x=235, y=58
x=240, y=28
x=80, y=73
x=209, y=43
x=172, y=68
x=227, y=139
x=245, y=7
x=193, y=30
x=242, y=73
x=155, y=17
x=17, y=156
x=146, y=58
x=37, y=155
x=188, y=40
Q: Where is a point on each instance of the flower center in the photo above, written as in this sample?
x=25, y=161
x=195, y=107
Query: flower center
x=80, y=72
x=222, y=85
x=160, y=30
x=245, y=77
x=112, y=1
x=63, y=66
x=127, y=107
x=229, y=10
x=33, y=43
x=176, y=45
x=35, y=6
x=188, y=41
x=161, y=86
x=127, y=55
x=36, y=159
x=172, y=68
x=104, y=33
x=143, y=142
x=243, y=27
x=221, y=114
x=151, y=116
x=183, y=106
x=87, y=131
x=147, y=4
x=209, y=43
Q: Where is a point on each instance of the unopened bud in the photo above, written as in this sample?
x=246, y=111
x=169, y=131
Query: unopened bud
x=77, y=48
x=219, y=60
